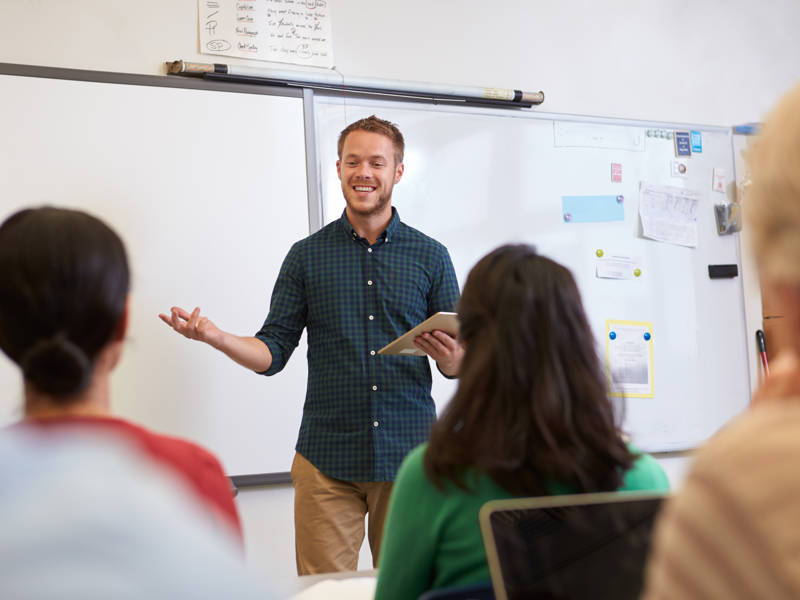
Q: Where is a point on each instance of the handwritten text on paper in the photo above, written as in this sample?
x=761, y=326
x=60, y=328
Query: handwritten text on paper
x=286, y=31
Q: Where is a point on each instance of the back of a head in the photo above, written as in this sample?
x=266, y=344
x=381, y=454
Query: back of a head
x=773, y=201
x=64, y=281
x=532, y=394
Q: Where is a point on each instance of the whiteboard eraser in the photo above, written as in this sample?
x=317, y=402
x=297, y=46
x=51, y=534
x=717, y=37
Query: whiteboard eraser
x=723, y=271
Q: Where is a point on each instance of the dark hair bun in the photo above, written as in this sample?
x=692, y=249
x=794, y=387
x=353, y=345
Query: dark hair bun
x=56, y=366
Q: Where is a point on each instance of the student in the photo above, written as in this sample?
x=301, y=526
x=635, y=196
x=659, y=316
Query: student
x=86, y=516
x=733, y=530
x=356, y=284
x=64, y=283
x=531, y=417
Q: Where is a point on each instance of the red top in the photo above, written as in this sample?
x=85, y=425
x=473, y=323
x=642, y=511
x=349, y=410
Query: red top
x=195, y=465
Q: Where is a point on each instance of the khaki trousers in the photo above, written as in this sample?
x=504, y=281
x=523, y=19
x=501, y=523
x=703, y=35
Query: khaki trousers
x=329, y=519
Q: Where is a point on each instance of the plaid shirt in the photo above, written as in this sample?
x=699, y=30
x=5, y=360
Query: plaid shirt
x=363, y=411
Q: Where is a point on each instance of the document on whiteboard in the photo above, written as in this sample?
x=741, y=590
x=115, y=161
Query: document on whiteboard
x=629, y=358
x=285, y=31
x=669, y=214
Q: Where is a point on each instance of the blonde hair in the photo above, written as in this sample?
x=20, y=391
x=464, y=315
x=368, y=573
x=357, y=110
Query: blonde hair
x=376, y=125
x=772, y=206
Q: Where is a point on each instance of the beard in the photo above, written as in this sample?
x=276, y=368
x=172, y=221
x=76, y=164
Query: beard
x=368, y=210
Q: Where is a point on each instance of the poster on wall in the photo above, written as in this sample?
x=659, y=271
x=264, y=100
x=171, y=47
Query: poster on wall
x=285, y=31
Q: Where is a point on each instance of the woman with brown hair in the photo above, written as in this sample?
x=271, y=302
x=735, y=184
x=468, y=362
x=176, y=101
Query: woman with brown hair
x=64, y=283
x=531, y=417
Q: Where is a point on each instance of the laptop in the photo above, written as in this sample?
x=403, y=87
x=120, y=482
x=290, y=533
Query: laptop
x=569, y=547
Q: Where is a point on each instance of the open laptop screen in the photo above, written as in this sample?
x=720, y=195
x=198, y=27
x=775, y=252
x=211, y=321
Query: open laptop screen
x=569, y=547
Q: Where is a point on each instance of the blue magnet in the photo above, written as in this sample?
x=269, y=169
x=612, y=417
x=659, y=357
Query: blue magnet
x=646, y=336
x=613, y=335
x=567, y=217
x=620, y=199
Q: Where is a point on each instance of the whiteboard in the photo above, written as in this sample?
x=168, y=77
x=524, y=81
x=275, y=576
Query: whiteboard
x=208, y=191
x=477, y=178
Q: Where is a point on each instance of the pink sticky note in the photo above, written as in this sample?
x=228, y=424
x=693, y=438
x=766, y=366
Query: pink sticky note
x=616, y=172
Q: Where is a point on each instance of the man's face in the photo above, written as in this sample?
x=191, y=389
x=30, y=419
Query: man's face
x=368, y=172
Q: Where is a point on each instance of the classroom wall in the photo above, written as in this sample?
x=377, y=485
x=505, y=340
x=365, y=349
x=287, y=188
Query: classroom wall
x=709, y=61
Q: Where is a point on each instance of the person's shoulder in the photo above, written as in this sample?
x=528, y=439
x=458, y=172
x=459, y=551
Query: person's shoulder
x=412, y=469
x=766, y=433
x=416, y=458
x=320, y=236
x=174, y=449
x=645, y=473
x=407, y=232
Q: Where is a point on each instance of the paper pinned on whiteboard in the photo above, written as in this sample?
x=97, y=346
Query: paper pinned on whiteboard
x=629, y=358
x=669, y=214
x=618, y=267
x=298, y=33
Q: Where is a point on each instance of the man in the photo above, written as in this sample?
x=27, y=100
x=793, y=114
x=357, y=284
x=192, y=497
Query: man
x=356, y=285
x=733, y=530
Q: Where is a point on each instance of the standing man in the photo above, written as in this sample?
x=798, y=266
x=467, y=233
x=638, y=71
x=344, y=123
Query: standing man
x=356, y=284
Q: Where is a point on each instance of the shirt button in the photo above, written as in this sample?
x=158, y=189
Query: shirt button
x=375, y=423
x=369, y=282
x=371, y=317
x=372, y=352
x=369, y=250
x=374, y=388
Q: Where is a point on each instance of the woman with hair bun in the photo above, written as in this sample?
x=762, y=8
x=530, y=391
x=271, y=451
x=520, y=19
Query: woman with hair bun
x=531, y=417
x=64, y=282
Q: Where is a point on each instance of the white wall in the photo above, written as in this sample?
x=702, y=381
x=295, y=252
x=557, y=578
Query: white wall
x=708, y=61
x=705, y=61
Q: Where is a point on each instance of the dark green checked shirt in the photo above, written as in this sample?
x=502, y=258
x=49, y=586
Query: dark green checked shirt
x=363, y=411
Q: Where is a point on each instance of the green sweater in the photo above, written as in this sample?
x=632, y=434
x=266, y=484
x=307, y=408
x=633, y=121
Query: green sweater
x=432, y=538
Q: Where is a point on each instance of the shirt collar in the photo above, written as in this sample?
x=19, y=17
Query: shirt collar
x=387, y=234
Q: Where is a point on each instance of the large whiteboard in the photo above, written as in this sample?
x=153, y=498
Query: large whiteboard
x=476, y=178
x=208, y=191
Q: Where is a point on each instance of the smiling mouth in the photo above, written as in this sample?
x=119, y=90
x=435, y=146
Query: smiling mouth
x=363, y=188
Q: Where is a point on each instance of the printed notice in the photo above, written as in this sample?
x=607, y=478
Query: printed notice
x=617, y=266
x=285, y=31
x=629, y=358
x=669, y=214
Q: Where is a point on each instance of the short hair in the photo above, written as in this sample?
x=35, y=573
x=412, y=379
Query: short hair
x=376, y=125
x=64, y=281
x=772, y=202
x=531, y=409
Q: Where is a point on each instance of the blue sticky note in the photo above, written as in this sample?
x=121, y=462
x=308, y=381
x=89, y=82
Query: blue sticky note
x=697, y=142
x=592, y=209
x=683, y=143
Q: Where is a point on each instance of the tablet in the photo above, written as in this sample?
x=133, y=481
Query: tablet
x=444, y=321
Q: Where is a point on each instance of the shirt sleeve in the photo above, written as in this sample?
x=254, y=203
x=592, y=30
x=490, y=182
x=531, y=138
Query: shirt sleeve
x=408, y=549
x=444, y=293
x=288, y=311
